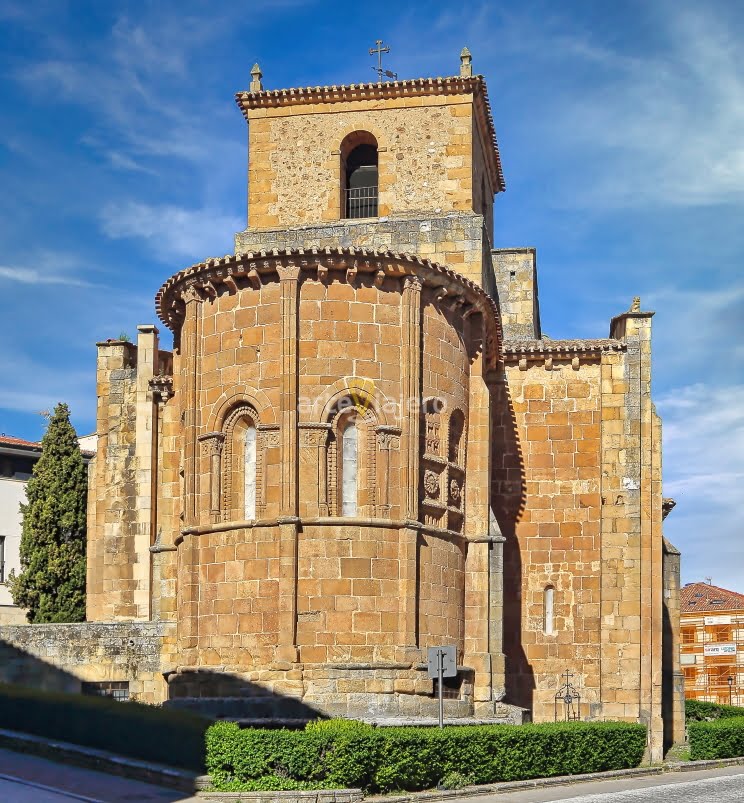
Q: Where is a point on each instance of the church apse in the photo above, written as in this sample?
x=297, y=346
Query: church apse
x=364, y=446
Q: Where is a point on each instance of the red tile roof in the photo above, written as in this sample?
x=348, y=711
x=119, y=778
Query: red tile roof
x=6, y=440
x=705, y=598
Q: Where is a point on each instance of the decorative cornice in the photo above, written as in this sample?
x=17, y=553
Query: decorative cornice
x=205, y=277
x=415, y=87
x=537, y=349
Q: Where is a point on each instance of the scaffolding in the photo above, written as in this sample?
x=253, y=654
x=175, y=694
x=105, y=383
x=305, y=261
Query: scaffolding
x=712, y=657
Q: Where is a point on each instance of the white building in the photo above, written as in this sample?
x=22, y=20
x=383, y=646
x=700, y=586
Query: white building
x=17, y=458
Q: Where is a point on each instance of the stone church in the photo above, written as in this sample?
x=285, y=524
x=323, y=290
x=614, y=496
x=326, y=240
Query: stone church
x=362, y=446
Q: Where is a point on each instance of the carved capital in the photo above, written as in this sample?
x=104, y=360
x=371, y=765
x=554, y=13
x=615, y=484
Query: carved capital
x=413, y=283
x=314, y=435
x=388, y=438
x=190, y=293
x=288, y=273
x=212, y=443
x=269, y=434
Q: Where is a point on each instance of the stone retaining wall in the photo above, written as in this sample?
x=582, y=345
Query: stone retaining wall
x=61, y=656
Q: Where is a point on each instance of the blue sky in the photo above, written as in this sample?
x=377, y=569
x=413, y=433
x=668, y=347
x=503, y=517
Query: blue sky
x=621, y=127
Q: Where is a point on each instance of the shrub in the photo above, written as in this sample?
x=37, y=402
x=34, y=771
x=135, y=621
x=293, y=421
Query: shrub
x=722, y=738
x=700, y=711
x=351, y=754
x=131, y=729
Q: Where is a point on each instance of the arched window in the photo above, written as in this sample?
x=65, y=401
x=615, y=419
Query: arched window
x=249, y=473
x=241, y=466
x=549, y=611
x=349, y=466
x=359, y=175
x=456, y=429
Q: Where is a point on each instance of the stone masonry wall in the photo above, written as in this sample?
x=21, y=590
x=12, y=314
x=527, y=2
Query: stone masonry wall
x=60, y=657
x=552, y=529
x=515, y=271
x=458, y=240
x=425, y=158
x=112, y=502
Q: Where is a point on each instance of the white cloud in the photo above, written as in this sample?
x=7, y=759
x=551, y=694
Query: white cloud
x=653, y=125
x=172, y=231
x=667, y=123
x=699, y=331
x=704, y=471
x=36, y=276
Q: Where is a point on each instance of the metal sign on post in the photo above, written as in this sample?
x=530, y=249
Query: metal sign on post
x=442, y=664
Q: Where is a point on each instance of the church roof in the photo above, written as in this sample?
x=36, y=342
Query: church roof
x=414, y=87
x=706, y=598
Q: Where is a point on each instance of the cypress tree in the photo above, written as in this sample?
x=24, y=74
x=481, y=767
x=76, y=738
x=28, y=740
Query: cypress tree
x=51, y=583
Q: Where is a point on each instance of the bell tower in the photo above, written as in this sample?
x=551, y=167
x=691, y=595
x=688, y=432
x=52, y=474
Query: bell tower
x=406, y=165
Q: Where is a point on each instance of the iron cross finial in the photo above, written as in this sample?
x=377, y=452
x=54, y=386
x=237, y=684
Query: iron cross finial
x=379, y=50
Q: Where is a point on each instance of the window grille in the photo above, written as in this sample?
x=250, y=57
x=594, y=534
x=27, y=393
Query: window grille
x=117, y=689
x=361, y=202
x=2, y=558
x=451, y=687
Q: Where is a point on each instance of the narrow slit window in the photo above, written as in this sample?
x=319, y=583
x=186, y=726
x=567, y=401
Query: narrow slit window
x=349, y=464
x=549, y=625
x=249, y=491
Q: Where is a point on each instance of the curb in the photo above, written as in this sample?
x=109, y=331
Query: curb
x=354, y=795
x=100, y=760
x=559, y=780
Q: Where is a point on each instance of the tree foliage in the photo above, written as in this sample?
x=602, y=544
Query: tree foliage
x=51, y=583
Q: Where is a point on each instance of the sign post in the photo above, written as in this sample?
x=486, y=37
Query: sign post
x=442, y=664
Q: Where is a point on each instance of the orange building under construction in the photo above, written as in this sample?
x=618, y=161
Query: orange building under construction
x=712, y=643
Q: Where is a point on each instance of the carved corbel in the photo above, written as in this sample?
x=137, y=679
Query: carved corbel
x=253, y=277
x=379, y=277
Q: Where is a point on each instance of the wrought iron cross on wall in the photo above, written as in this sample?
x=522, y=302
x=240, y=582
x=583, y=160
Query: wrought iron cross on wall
x=379, y=50
x=569, y=697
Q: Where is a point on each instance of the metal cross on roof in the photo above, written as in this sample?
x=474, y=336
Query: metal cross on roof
x=379, y=50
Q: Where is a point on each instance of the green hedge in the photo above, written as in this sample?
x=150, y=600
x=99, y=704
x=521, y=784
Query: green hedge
x=131, y=729
x=351, y=754
x=722, y=738
x=699, y=711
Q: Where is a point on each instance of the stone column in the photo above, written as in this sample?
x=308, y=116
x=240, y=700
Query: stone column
x=212, y=444
x=411, y=386
x=484, y=560
x=146, y=457
x=388, y=439
x=288, y=523
x=188, y=575
x=410, y=417
x=313, y=468
x=632, y=573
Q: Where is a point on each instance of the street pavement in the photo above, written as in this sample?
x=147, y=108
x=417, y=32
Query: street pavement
x=719, y=786
x=27, y=779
